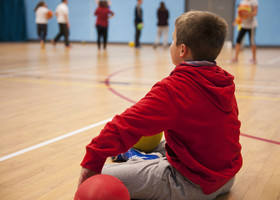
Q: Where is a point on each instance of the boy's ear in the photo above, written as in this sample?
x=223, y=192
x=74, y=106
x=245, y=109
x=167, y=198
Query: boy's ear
x=183, y=50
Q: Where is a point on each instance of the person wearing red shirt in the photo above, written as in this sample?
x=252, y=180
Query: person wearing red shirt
x=196, y=108
x=103, y=13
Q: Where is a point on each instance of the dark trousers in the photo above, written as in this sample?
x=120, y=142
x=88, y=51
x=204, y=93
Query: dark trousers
x=137, y=36
x=63, y=31
x=102, y=32
x=42, y=31
x=251, y=33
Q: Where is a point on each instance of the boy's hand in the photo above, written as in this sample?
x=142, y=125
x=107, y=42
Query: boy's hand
x=85, y=174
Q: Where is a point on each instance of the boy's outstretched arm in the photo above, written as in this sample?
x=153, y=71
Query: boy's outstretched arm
x=85, y=174
x=149, y=116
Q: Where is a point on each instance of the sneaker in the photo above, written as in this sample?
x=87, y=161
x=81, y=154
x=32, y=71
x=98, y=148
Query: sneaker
x=134, y=154
x=118, y=158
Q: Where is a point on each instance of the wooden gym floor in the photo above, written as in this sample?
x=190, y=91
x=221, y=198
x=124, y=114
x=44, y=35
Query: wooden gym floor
x=54, y=101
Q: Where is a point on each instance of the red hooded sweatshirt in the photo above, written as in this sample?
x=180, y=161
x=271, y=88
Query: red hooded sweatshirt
x=196, y=108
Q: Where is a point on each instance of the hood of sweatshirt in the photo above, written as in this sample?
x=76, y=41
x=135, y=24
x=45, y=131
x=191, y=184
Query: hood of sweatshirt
x=211, y=80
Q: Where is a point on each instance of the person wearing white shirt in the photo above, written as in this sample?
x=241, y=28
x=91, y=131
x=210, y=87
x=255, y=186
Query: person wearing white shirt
x=62, y=13
x=41, y=10
x=248, y=25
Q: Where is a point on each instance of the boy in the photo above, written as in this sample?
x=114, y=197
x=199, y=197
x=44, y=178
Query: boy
x=195, y=107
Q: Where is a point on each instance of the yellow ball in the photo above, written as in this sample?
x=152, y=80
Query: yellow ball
x=131, y=44
x=147, y=144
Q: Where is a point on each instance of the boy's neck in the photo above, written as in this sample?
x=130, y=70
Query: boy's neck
x=201, y=62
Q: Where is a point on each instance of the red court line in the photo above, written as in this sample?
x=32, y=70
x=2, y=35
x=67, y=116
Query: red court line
x=261, y=139
x=107, y=83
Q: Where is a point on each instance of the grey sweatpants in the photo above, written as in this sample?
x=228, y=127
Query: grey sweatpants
x=158, y=180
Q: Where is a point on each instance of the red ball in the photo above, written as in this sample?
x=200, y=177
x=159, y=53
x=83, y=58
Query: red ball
x=102, y=187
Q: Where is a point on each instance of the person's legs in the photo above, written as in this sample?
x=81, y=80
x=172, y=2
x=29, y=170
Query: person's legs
x=39, y=31
x=158, y=36
x=237, y=50
x=238, y=44
x=137, y=36
x=42, y=32
x=65, y=32
x=254, y=52
x=158, y=180
x=99, y=33
x=143, y=179
x=105, y=36
x=252, y=34
x=60, y=33
x=165, y=35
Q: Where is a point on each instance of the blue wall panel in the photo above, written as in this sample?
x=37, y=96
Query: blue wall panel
x=121, y=26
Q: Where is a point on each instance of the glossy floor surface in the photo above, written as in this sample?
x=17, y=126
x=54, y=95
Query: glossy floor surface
x=53, y=101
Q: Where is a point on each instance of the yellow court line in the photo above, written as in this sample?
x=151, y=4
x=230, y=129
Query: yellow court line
x=102, y=85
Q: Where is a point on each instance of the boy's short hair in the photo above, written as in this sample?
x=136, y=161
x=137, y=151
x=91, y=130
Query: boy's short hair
x=203, y=32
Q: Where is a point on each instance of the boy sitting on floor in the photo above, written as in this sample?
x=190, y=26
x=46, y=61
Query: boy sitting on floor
x=195, y=107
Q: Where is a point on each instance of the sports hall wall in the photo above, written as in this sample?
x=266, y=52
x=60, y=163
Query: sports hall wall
x=121, y=26
x=121, y=29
